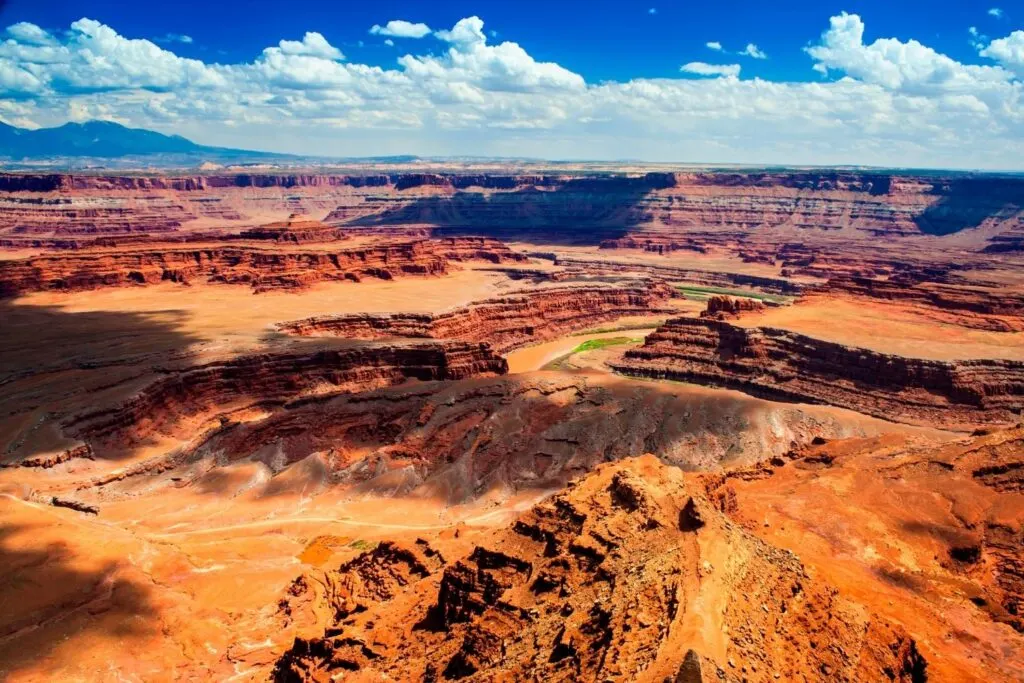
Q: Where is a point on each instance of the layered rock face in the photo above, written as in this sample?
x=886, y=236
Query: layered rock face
x=595, y=267
x=505, y=322
x=995, y=310
x=786, y=366
x=724, y=307
x=957, y=549
x=609, y=580
x=260, y=268
x=270, y=379
x=655, y=211
x=29, y=217
x=457, y=441
x=297, y=229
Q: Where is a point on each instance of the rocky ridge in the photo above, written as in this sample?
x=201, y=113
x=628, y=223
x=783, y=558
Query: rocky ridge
x=783, y=365
x=632, y=573
x=257, y=267
x=216, y=389
x=504, y=322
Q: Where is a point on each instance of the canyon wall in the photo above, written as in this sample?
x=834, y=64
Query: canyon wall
x=505, y=322
x=997, y=310
x=782, y=365
x=260, y=268
x=654, y=211
x=268, y=379
x=577, y=266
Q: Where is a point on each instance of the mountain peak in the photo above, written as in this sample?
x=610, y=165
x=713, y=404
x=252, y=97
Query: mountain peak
x=98, y=138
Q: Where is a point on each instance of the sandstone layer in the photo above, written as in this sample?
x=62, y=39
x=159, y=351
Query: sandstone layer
x=269, y=379
x=1000, y=310
x=632, y=573
x=930, y=537
x=504, y=323
x=609, y=209
x=782, y=365
x=458, y=442
x=724, y=307
x=258, y=267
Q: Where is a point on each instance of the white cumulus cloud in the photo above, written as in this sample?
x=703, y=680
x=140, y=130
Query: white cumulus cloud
x=752, y=50
x=29, y=34
x=996, y=12
x=398, y=28
x=909, y=66
x=705, y=69
x=312, y=45
x=714, y=45
x=886, y=101
x=1008, y=51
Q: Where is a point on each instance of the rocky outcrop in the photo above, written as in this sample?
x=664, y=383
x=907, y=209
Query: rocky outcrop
x=609, y=580
x=505, y=322
x=724, y=307
x=961, y=541
x=458, y=441
x=782, y=365
x=259, y=268
x=297, y=229
x=271, y=379
x=704, y=278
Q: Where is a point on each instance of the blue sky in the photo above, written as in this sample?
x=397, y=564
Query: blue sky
x=600, y=39
x=900, y=83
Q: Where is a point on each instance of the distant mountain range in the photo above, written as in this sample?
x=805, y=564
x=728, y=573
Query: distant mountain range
x=108, y=140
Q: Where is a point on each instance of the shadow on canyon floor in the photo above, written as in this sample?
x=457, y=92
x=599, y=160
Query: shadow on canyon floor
x=47, y=603
x=58, y=361
x=582, y=211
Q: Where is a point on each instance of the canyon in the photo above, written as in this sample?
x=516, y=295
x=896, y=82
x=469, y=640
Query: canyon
x=779, y=364
x=506, y=323
x=443, y=423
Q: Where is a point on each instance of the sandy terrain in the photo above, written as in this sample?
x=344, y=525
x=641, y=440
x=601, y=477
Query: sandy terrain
x=889, y=328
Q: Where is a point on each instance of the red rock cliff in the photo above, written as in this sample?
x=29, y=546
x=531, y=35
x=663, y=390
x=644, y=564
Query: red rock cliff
x=782, y=365
x=505, y=322
x=260, y=268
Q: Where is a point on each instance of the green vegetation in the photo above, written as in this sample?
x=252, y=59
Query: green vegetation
x=705, y=293
x=591, y=345
x=360, y=544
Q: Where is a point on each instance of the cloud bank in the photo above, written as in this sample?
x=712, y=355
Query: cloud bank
x=882, y=102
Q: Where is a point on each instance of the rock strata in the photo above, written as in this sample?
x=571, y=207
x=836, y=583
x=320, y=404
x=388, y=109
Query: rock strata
x=504, y=322
x=783, y=365
x=603, y=582
x=269, y=379
x=259, y=268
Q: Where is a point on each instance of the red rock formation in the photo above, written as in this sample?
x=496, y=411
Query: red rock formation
x=609, y=580
x=782, y=365
x=723, y=307
x=296, y=230
x=457, y=441
x=999, y=311
x=958, y=549
x=704, y=278
x=260, y=268
x=505, y=322
x=275, y=378
x=868, y=204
